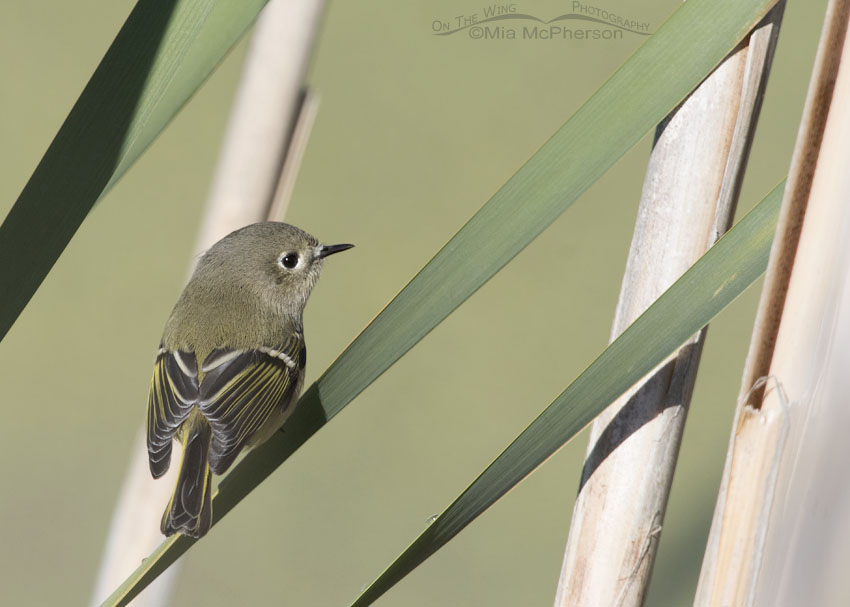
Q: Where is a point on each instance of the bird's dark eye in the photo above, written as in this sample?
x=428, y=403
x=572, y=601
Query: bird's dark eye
x=289, y=260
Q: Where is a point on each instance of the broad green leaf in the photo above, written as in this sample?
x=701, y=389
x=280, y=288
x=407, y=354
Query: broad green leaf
x=638, y=96
x=161, y=55
x=729, y=267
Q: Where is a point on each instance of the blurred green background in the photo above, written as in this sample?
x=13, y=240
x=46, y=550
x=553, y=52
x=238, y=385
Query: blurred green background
x=414, y=134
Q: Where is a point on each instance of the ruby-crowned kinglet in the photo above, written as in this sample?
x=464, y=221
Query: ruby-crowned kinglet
x=231, y=362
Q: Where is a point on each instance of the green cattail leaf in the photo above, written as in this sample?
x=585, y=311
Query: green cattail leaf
x=718, y=277
x=161, y=55
x=639, y=95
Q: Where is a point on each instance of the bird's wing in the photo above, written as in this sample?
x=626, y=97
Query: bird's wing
x=174, y=391
x=243, y=389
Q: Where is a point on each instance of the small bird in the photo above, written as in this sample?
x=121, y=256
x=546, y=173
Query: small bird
x=231, y=361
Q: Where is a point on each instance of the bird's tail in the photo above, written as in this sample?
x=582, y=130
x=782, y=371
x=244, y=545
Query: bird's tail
x=190, y=510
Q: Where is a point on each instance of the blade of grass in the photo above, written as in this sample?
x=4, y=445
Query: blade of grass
x=644, y=90
x=161, y=55
x=723, y=273
x=636, y=97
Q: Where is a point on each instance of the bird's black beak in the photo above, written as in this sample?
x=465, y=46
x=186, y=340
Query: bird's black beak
x=330, y=249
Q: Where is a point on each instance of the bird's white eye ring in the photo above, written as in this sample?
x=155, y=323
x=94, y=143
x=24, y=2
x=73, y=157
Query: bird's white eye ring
x=289, y=261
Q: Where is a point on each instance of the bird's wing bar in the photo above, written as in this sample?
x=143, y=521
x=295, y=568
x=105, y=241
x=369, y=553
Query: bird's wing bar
x=174, y=391
x=242, y=390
